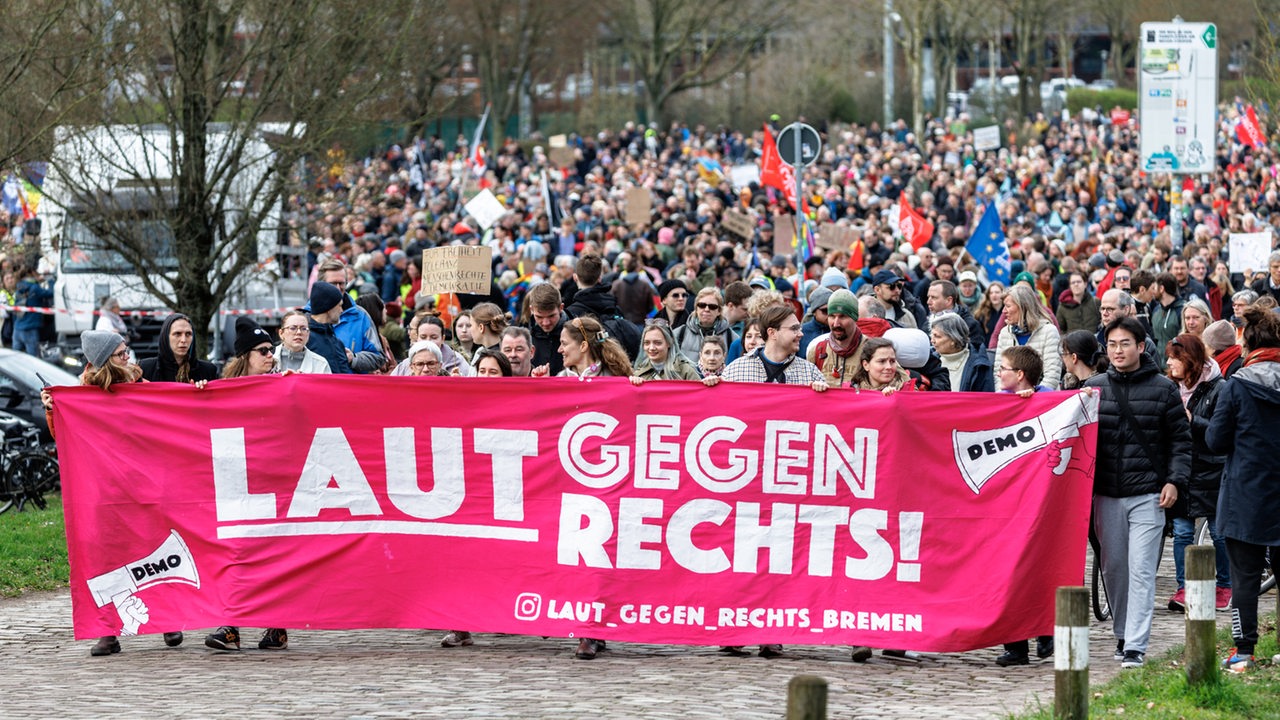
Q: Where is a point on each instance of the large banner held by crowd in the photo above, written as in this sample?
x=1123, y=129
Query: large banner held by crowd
x=668, y=513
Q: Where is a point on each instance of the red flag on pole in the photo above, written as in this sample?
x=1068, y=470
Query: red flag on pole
x=1249, y=130
x=915, y=228
x=775, y=173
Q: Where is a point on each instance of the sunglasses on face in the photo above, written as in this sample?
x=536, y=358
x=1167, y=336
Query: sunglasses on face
x=708, y=306
x=263, y=351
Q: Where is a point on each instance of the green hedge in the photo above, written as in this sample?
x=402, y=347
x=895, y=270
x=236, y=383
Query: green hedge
x=1081, y=98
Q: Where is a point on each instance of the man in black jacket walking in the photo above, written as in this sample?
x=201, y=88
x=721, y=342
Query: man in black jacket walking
x=1144, y=459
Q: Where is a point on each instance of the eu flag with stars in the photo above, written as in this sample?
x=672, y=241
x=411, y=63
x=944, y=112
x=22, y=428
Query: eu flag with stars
x=988, y=247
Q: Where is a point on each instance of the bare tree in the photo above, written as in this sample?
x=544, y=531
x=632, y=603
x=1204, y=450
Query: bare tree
x=680, y=45
x=240, y=91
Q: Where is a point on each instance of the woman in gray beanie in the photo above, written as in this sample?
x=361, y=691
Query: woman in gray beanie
x=107, y=358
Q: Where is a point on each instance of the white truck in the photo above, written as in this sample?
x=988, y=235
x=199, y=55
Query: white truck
x=124, y=175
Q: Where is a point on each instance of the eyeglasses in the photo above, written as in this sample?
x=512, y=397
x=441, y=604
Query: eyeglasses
x=295, y=329
x=1120, y=344
x=1108, y=308
x=678, y=295
x=425, y=365
x=122, y=354
x=708, y=306
x=794, y=328
x=263, y=351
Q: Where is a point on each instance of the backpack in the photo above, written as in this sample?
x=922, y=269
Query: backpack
x=625, y=332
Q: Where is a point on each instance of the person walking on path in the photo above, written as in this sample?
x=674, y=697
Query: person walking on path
x=1144, y=459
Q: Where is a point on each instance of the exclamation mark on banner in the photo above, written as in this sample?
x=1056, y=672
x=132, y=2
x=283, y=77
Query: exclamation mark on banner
x=910, y=525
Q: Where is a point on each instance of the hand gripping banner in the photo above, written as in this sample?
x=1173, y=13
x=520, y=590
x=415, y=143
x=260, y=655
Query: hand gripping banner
x=668, y=513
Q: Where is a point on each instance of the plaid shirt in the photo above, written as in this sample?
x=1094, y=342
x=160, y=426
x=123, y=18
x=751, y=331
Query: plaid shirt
x=750, y=368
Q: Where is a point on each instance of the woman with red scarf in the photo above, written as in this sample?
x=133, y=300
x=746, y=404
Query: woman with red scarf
x=1220, y=339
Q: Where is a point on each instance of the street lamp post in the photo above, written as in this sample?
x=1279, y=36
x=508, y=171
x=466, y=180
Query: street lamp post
x=888, y=63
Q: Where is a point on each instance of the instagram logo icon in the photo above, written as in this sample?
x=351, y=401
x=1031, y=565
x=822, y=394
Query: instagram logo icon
x=528, y=606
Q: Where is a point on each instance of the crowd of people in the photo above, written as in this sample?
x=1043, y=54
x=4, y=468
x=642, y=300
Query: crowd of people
x=1102, y=294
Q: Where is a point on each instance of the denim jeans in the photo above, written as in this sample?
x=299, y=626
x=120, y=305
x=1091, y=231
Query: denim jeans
x=27, y=340
x=1184, y=532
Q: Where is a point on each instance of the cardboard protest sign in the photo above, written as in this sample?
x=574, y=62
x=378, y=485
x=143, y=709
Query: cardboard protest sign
x=986, y=138
x=457, y=269
x=638, y=206
x=738, y=223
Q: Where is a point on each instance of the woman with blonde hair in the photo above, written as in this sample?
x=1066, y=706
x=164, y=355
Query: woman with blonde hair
x=660, y=359
x=488, y=323
x=1027, y=324
x=107, y=364
x=463, y=341
x=589, y=351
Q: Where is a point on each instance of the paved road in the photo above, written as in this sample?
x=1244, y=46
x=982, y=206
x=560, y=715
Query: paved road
x=44, y=673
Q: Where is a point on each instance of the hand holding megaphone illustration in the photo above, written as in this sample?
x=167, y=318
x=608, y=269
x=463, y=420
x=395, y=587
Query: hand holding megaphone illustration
x=171, y=562
x=981, y=454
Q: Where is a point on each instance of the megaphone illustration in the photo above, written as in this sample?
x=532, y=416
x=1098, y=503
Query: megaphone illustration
x=982, y=454
x=170, y=563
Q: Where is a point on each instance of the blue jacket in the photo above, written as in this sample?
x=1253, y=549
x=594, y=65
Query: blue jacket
x=977, y=376
x=324, y=343
x=1244, y=429
x=810, y=330
x=31, y=294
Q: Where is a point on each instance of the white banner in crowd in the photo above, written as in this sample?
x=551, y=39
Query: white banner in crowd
x=1249, y=251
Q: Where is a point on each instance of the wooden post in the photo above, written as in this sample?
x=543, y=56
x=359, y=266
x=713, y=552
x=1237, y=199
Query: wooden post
x=807, y=698
x=1071, y=655
x=1200, y=655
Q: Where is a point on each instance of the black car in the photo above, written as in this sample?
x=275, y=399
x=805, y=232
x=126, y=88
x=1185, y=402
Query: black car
x=20, y=384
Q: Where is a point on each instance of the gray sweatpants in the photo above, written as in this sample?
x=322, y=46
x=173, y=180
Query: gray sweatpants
x=1129, y=531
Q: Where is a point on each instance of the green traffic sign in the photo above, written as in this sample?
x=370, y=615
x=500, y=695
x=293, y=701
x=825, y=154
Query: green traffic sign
x=1210, y=36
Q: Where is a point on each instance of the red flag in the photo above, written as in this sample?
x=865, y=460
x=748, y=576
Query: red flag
x=1249, y=131
x=855, y=256
x=915, y=228
x=775, y=173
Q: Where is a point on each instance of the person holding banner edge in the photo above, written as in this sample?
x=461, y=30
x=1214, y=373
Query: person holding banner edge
x=107, y=356
x=775, y=361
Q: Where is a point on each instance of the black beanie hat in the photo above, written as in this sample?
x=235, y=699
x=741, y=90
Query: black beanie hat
x=249, y=335
x=324, y=297
x=665, y=288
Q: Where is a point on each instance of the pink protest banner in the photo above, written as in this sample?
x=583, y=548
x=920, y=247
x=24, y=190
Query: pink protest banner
x=668, y=513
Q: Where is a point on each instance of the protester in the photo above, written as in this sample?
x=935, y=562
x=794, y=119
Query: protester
x=1082, y=358
x=1243, y=429
x=33, y=290
x=425, y=360
x=106, y=364
x=174, y=361
x=878, y=369
x=589, y=351
x=354, y=329
x=968, y=367
x=1220, y=339
x=659, y=357
x=325, y=309
x=706, y=320
x=1026, y=324
x=546, y=319
x=491, y=364
x=836, y=352
x=1199, y=381
x=292, y=355
x=773, y=362
x=1077, y=308
x=711, y=358
x=517, y=348
x=253, y=356
x=1144, y=457
x=463, y=341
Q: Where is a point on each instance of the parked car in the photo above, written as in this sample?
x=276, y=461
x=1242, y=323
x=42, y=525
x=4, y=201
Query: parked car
x=20, y=384
x=1053, y=92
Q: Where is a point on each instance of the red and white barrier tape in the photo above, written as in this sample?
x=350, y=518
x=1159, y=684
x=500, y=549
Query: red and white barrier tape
x=144, y=313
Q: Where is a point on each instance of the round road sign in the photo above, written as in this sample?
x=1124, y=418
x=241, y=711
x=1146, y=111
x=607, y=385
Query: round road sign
x=810, y=144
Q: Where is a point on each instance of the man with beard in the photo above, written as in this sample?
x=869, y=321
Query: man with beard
x=836, y=353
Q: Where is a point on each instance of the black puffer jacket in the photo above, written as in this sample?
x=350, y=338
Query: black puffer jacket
x=1206, y=465
x=1244, y=429
x=1124, y=469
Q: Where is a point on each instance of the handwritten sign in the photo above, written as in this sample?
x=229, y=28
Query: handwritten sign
x=457, y=269
x=1249, y=251
x=986, y=138
x=836, y=237
x=485, y=208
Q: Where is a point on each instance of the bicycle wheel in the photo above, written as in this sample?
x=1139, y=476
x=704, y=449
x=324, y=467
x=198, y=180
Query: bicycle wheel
x=37, y=475
x=1098, y=593
x=1268, y=579
x=1202, y=532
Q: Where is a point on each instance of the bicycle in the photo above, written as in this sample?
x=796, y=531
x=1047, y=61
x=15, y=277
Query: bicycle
x=27, y=472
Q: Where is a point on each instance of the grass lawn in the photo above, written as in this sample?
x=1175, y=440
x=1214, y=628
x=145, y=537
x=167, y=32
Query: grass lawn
x=1159, y=690
x=33, y=550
